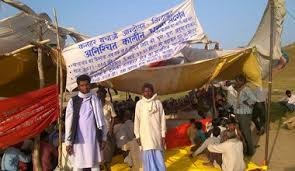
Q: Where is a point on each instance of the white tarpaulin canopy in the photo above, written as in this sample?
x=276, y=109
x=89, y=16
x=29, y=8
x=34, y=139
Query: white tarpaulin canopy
x=261, y=38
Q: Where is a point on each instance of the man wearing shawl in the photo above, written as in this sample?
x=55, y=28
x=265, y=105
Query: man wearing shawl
x=85, y=129
x=150, y=129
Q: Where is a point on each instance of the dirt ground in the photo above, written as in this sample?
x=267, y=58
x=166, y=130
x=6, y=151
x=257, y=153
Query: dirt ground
x=281, y=149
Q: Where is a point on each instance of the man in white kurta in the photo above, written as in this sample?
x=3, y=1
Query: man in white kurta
x=82, y=143
x=150, y=129
x=232, y=153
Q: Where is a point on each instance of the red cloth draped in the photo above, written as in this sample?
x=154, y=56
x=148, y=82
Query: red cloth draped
x=27, y=115
x=157, y=64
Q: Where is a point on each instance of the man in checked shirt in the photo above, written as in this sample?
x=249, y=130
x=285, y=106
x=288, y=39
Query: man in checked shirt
x=243, y=100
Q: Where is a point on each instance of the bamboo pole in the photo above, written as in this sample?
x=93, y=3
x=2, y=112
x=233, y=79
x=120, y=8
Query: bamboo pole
x=272, y=13
x=60, y=72
x=110, y=94
x=25, y=48
x=40, y=68
x=36, y=152
x=213, y=100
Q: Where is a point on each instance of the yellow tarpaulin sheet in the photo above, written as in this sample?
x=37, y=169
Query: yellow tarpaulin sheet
x=183, y=77
x=178, y=160
x=19, y=73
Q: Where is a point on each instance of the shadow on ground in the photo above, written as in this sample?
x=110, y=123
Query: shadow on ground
x=277, y=111
x=290, y=169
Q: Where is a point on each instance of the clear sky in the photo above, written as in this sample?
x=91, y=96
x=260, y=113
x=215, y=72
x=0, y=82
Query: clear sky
x=231, y=22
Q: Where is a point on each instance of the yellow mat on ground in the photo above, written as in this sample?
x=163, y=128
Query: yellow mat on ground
x=178, y=160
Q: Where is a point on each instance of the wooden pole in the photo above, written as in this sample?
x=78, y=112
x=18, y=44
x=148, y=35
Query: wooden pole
x=36, y=152
x=59, y=68
x=40, y=67
x=26, y=47
x=213, y=100
x=110, y=94
x=272, y=22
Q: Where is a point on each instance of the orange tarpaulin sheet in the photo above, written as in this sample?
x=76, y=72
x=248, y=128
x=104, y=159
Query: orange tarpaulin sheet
x=177, y=137
x=27, y=115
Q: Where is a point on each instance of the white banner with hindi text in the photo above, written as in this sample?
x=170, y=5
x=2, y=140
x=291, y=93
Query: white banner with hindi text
x=155, y=39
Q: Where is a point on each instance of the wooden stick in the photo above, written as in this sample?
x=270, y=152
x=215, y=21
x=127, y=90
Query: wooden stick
x=36, y=152
x=110, y=94
x=59, y=68
x=213, y=100
x=272, y=22
x=40, y=68
x=25, y=48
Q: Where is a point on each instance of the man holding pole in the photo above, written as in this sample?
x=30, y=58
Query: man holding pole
x=85, y=129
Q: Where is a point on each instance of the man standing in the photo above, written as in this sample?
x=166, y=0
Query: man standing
x=108, y=109
x=259, y=110
x=85, y=129
x=243, y=102
x=109, y=114
x=231, y=92
x=150, y=129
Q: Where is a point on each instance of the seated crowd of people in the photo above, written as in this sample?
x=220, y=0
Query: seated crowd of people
x=229, y=138
x=218, y=142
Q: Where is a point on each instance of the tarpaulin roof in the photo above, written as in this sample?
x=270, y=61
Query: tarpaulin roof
x=22, y=29
x=22, y=75
x=183, y=77
x=19, y=72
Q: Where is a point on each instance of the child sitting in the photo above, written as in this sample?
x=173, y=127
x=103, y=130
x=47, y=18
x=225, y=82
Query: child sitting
x=192, y=131
x=200, y=136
